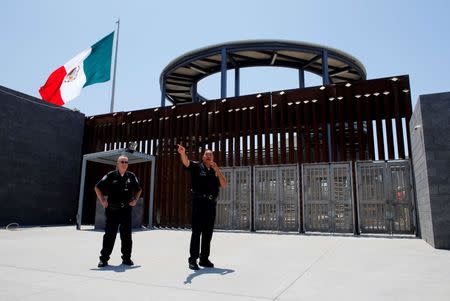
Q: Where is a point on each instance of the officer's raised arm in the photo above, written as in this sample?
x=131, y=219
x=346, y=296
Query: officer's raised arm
x=184, y=158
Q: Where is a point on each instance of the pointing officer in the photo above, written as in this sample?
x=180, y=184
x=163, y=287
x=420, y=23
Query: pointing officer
x=123, y=190
x=206, y=180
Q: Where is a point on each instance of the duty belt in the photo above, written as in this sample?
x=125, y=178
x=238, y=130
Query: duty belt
x=203, y=195
x=117, y=205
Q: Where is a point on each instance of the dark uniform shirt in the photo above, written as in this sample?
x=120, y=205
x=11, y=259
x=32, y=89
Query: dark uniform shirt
x=119, y=189
x=204, y=181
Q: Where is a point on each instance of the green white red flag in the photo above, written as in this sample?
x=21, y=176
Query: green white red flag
x=91, y=66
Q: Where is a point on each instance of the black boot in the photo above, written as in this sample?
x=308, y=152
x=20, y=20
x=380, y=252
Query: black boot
x=128, y=261
x=206, y=263
x=193, y=265
x=102, y=264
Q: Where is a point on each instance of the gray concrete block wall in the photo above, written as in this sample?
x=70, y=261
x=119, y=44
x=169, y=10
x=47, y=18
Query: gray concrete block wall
x=425, y=225
x=41, y=156
x=430, y=136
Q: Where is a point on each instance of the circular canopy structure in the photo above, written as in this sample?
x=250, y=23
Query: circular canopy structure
x=179, y=79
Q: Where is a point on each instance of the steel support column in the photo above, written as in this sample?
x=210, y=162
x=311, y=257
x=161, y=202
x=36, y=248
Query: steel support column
x=194, y=92
x=163, y=93
x=223, y=73
x=301, y=78
x=325, y=73
x=237, y=80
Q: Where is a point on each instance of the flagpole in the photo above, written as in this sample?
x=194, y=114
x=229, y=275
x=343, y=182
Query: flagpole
x=115, y=66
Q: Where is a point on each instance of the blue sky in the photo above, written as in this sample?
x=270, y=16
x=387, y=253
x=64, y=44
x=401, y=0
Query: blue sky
x=388, y=37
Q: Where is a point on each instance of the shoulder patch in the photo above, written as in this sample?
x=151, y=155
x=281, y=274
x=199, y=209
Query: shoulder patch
x=132, y=175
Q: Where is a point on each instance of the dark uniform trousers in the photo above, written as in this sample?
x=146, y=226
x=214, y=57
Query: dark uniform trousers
x=203, y=216
x=115, y=218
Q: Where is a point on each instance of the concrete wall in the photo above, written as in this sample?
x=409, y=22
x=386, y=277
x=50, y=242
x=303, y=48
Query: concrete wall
x=40, y=160
x=430, y=138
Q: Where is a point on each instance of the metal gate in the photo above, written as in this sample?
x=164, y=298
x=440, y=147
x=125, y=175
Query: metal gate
x=233, y=209
x=328, y=197
x=276, y=198
x=385, y=202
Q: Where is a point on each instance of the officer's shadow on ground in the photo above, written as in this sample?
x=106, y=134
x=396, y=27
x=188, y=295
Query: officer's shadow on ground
x=116, y=268
x=204, y=271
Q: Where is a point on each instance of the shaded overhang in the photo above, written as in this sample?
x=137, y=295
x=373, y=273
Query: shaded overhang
x=179, y=79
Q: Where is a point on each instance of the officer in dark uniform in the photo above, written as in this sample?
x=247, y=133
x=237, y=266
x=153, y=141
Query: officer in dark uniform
x=206, y=180
x=123, y=190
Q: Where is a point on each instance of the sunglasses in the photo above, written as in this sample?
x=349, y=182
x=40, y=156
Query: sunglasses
x=123, y=162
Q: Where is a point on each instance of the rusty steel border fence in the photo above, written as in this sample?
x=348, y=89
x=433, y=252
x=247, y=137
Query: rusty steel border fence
x=365, y=120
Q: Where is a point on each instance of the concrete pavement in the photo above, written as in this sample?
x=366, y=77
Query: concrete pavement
x=60, y=263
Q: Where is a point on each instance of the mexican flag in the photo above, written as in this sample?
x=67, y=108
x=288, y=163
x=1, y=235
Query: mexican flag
x=91, y=66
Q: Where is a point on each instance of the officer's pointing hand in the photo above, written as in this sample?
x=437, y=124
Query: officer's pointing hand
x=181, y=149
